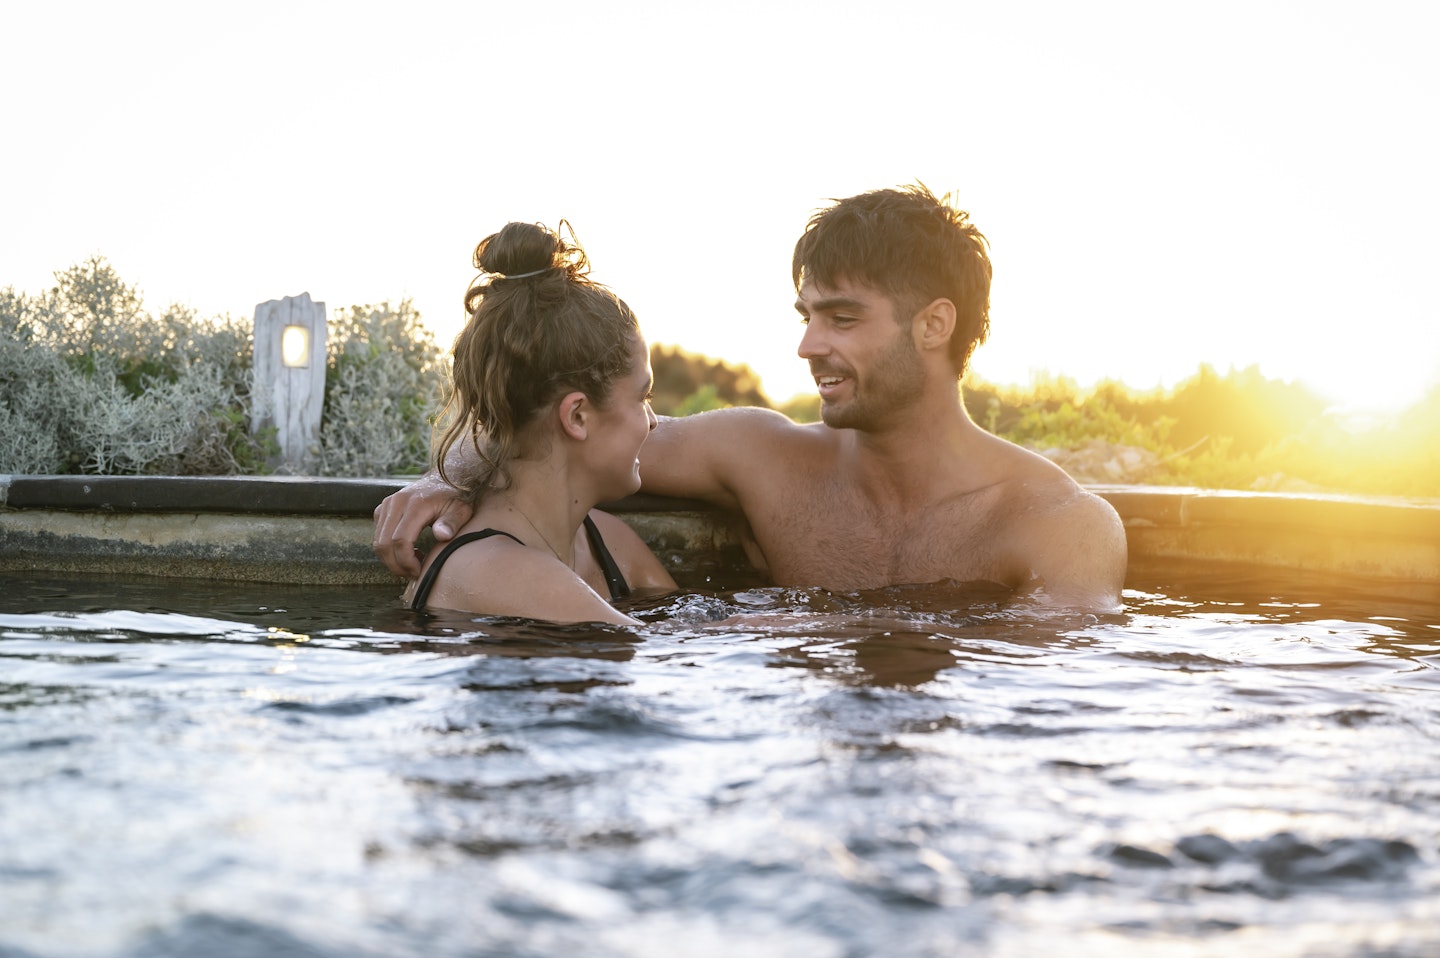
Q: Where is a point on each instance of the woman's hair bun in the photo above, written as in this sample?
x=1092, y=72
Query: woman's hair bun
x=526, y=248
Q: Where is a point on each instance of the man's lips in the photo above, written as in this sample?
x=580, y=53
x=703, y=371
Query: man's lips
x=829, y=381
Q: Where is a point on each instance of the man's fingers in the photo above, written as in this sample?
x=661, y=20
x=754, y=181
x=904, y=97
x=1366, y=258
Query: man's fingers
x=398, y=522
x=403, y=515
x=455, y=514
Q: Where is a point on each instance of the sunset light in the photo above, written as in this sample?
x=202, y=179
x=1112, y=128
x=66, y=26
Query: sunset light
x=545, y=479
x=1163, y=186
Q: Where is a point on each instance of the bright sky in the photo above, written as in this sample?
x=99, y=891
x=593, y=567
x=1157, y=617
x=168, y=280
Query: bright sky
x=1162, y=184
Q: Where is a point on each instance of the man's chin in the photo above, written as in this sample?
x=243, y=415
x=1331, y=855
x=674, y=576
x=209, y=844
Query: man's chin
x=850, y=416
x=836, y=415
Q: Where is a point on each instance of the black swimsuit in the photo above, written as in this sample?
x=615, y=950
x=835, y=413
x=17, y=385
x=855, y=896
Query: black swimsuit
x=619, y=588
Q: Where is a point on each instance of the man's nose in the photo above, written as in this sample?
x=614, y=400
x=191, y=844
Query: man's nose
x=812, y=343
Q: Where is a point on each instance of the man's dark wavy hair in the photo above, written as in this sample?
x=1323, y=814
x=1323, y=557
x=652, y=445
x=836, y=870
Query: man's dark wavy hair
x=912, y=247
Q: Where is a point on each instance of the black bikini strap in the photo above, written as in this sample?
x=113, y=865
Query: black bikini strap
x=427, y=581
x=614, y=578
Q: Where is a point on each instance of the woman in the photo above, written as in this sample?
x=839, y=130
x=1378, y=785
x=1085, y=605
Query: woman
x=552, y=385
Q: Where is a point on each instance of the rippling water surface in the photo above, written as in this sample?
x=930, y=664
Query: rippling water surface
x=1240, y=763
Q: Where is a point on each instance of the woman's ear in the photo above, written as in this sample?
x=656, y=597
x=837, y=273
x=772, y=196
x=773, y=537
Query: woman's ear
x=935, y=324
x=573, y=411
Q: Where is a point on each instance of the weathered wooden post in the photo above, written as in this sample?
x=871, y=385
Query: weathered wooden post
x=290, y=379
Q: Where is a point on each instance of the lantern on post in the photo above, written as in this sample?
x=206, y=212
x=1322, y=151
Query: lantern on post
x=289, y=390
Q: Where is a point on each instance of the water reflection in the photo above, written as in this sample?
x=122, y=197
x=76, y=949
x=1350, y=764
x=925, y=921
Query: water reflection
x=900, y=659
x=897, y=773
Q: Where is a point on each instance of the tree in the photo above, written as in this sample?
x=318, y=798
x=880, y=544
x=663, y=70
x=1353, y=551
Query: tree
x=687, y=383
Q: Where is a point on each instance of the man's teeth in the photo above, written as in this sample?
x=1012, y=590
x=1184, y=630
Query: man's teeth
x=829, y=380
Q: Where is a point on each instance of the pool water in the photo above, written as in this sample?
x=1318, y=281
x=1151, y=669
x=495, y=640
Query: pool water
x=1243, y=762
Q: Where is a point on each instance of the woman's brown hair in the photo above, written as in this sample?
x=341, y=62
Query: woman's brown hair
x=539, y=328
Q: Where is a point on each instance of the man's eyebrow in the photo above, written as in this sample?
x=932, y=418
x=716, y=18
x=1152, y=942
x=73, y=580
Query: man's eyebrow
x=829, y=303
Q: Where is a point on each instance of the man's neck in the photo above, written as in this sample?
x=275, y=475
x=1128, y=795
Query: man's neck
x=918, y=458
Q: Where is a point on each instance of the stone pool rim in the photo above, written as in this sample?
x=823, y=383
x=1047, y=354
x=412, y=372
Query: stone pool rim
x=318, y=530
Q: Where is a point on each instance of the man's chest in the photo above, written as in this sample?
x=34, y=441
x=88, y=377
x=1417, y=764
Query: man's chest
x=844, y=543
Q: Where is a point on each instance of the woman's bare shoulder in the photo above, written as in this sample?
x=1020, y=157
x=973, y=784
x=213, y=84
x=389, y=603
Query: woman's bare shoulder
x=499, y=576
x=478, y=570
x=642, y=569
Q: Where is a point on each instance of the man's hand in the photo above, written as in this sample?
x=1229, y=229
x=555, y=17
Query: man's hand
x=399, y=520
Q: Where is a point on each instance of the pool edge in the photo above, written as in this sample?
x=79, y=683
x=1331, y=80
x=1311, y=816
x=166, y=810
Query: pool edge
x=308, y=530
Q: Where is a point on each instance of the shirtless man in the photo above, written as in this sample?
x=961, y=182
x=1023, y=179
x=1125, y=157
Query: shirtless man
x=897, y=484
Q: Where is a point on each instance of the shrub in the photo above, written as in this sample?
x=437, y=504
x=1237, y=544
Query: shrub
x=1236, y=431
x=804, y=407
x=91, y=383
x=687, y=383
x=385, y=384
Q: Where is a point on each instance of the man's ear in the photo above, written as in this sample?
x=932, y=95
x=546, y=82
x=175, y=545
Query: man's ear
x=934, y=324
x=574, y=410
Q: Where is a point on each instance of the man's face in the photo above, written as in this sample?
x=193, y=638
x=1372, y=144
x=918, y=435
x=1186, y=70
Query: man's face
x=865, y=363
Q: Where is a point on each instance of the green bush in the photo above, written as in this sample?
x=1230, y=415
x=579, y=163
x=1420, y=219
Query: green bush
x=1073, y=424
x=687, y=383
x=92, y=383
x=804, y=407
x=1234, y=431
x=385, y=383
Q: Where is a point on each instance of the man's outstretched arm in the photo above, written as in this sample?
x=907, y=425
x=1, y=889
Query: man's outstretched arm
x=711, y=456
x=704, y=456
x=431, y=502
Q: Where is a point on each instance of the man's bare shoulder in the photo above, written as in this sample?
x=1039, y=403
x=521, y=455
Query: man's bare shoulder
x=732, y=442
x=1034, y=488
x=726, y=456
x=1069, y=542
x=1056, y=541
x=749, y=423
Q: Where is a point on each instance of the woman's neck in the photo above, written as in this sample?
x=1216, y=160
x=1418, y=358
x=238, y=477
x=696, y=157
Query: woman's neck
x=541, y=507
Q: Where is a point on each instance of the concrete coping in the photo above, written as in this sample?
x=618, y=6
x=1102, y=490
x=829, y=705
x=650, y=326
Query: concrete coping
x=320, y=528
x=269, y=495
x=1181, y=506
